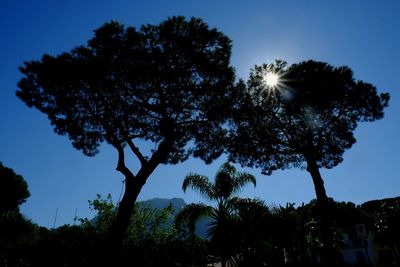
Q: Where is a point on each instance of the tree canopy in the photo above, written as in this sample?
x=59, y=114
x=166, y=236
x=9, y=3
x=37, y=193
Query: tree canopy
x=13, y=190
x=169, y=84
x=161, y=82
x=310, y=115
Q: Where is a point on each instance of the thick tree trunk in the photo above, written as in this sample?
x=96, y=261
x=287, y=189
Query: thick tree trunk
x=133, y=186
x=124, y=212
x=328, y=252
x=318, y=182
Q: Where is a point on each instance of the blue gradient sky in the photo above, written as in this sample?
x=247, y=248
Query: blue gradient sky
x=363, y=35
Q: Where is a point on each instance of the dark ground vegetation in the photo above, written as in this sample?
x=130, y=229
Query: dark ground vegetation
x=257, y=234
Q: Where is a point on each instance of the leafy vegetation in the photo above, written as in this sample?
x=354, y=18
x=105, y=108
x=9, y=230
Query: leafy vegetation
x=258, y=235
x=13, y=190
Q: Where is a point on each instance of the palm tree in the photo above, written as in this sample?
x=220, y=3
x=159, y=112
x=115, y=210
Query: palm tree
x=252, y=232
x=227, y=183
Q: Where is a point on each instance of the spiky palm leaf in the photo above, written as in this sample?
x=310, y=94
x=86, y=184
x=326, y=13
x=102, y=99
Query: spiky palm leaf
x=190, y=214
x=228, y=181
x=241, y=179
x=199, y=183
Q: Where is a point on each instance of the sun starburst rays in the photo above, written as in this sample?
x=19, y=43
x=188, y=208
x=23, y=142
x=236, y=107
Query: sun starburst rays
x=271, y=82
x=271, y=79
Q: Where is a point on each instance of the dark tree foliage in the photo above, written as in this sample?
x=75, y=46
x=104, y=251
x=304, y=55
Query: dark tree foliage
x=296, y=232
x=306, y=121
x=13, y=190
x=385, y=214
x=252, y=233
x=168, y=84
x=15, y=229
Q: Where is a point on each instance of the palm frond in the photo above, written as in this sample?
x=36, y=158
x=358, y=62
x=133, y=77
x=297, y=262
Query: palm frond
x=222, y=225
x=246, y=207
x=229, y=181
x=190, y=214
x=199, y=183
x=223, y=185
x=241, y=179
x=227, y=168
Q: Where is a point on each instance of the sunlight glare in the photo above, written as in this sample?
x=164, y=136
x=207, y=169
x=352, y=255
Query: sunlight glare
x=271, y=79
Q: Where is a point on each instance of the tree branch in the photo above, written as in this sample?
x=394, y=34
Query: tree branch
x=121, y=167
x=135, y=149
x=121, y=127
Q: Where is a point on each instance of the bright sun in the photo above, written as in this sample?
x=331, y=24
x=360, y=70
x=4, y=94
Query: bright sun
x=271, y=79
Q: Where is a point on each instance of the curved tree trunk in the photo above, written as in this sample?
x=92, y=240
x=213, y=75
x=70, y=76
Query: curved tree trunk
x=318, y=182
x=124, y=213
x=118, y=229
x=328, y=252
x=133, y=186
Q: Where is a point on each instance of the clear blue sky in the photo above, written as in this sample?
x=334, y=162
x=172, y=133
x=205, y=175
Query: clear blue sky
x=364, y=35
